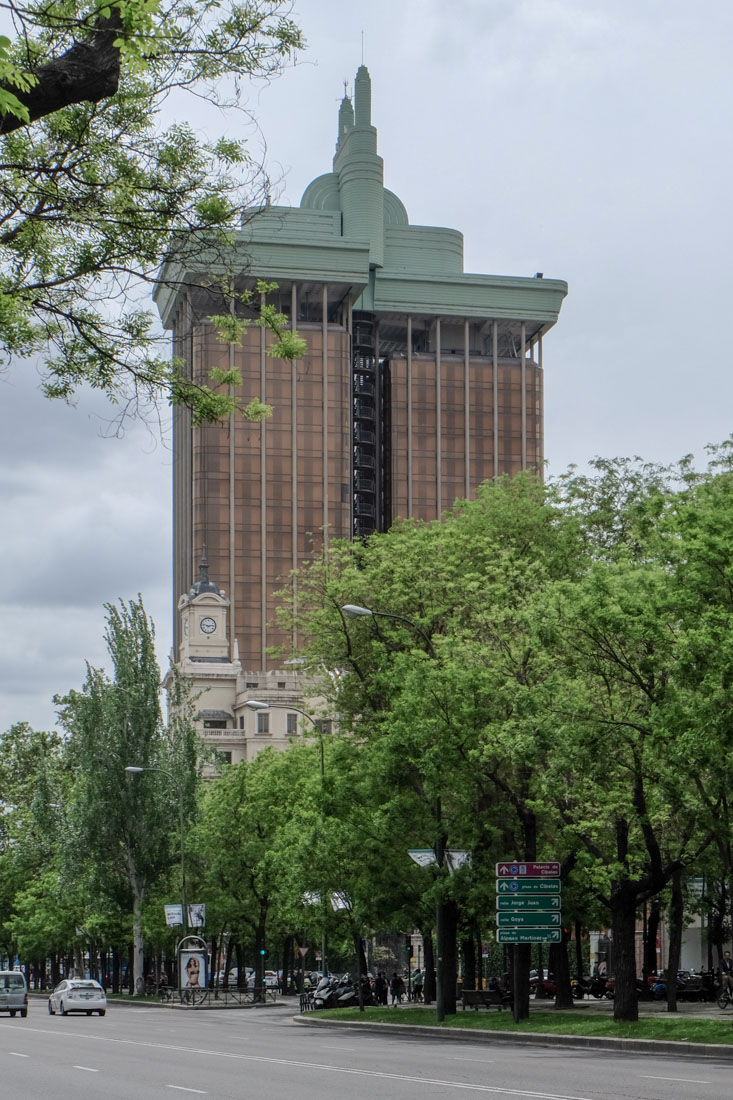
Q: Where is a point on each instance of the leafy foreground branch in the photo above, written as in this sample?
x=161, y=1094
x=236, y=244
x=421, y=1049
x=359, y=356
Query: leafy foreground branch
x=98, y=180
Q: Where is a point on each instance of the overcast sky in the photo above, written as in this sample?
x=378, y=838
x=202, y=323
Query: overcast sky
x=587, y=139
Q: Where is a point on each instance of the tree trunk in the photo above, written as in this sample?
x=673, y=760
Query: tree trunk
x=138, y=965
x=560, y=967
x=578, y=950
x=468, y=946
x=428, y=991
x=450, y=956
x=676, y=911
x=650, y=942
x=521, y=959
x=623, y=924
x=260, y=957
x=286, y=967
x=361, y=968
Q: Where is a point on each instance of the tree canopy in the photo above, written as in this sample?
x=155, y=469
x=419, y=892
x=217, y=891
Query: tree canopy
x=100, y=175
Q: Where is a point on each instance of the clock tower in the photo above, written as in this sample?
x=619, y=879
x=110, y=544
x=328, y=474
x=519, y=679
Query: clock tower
x=203, y=613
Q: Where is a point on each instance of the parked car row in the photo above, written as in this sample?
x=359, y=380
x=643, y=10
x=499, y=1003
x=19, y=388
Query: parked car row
x=231, y=980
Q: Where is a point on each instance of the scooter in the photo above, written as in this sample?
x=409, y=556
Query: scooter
x=597, y=986
x=333, y=992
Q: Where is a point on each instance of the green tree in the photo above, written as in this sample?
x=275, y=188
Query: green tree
x=95, y=187
x=125, y=829
x=32, y=784
x=628, y=751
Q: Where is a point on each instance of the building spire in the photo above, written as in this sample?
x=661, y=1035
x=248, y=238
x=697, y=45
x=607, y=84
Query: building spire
x=203, y=584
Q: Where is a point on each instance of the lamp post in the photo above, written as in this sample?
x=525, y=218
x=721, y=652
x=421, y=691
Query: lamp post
x=135, y=770
x=355, y=611
x=257, y=705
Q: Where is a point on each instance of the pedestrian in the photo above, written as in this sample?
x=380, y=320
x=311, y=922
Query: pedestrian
x=394, y=987
x=417, y=986
x=380, y=988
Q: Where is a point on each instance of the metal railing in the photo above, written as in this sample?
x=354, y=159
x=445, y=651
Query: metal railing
x=215, y=996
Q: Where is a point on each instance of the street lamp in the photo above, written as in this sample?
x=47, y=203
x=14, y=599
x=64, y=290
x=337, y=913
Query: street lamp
x=132, y=769
x=355, y=611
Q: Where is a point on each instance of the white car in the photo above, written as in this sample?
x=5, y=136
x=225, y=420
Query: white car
x=77, y=995
x=272, y=981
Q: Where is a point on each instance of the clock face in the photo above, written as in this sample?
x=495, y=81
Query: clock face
x=208, y=625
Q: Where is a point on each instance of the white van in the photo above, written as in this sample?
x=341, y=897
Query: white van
x=13, y=992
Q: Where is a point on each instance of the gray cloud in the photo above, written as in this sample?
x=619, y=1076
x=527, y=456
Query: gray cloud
x=575, y=137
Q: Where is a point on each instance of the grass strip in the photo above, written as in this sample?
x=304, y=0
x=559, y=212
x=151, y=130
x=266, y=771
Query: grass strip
x=678, y=1029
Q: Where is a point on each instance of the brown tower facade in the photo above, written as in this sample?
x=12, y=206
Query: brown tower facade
x=420, y=381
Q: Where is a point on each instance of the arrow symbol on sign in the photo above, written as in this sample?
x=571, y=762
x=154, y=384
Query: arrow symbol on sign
x=555, y=903
x=555, y=918
x=503, y=886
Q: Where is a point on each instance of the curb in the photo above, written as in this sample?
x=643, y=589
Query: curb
x=543, y=1039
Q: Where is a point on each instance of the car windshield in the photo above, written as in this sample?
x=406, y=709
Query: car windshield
x=86, y=985
x=12, y=981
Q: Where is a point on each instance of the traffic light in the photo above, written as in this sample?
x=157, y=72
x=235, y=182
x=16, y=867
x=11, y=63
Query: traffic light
x=408, y=946
x=263, y=952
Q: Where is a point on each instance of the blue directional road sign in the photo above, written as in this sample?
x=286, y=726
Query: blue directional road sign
x=528, y=886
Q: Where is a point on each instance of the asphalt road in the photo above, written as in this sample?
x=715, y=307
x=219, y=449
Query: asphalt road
x=138, y=1053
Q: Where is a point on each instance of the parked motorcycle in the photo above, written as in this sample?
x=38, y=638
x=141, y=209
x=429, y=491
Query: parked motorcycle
x=580, y=988
x=333, y=992
x=691, y=986
x=598, y=987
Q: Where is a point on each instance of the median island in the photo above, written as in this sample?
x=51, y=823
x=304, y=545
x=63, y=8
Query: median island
x=672, y=1028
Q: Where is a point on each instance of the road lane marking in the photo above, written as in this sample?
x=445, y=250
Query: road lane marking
x=87, y=1069
x=457, y=1058
x=182, y=1088
x=16, y=1055
x=686, y=1080
x=495, y=1090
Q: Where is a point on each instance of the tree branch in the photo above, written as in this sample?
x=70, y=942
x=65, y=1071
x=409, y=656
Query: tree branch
x=88, y=72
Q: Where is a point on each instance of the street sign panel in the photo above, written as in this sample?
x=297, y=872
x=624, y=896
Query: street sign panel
x=528, y=920
x=507, y=887
x=528, y=935
x=547, y=903
x=550, y=869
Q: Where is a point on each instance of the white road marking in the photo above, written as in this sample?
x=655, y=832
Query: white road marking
x=495, y=1090
x=16, y=1055
x=686, y=1080
x=487, y=1061
x=182, y=1088
x=87, y=1069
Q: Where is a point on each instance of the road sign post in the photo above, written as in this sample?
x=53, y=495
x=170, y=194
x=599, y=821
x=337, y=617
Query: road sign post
x=528, y=920
x=528, y=886
x=544, y=903
x=529, y=935
x=528, y=902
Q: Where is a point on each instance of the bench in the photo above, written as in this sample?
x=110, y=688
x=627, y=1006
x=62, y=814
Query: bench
x=484, y=998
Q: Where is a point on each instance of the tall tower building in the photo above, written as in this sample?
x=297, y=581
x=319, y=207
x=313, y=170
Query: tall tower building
x=420, y=382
